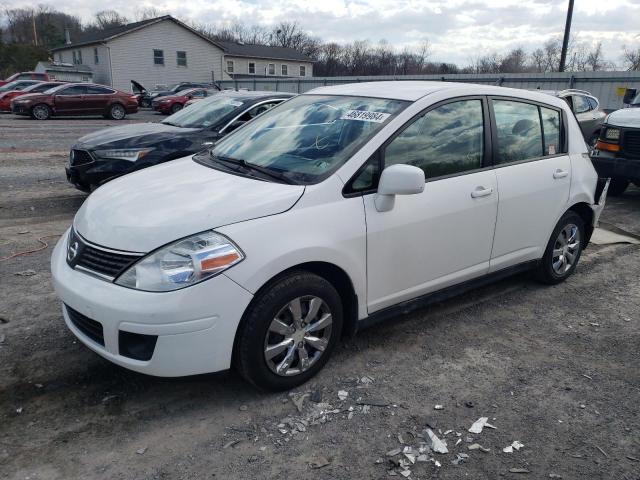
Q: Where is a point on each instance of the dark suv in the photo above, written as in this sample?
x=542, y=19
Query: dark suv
x=617, y=152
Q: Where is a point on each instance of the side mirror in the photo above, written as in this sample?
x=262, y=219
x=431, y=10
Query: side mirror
x=398, y=180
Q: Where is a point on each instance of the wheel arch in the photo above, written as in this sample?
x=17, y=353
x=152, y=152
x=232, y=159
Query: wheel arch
x=586, y=213
x=335, y=275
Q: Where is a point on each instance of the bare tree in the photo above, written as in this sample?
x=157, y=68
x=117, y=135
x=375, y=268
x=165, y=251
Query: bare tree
x=146, y=13
x=108, y=19
x=631, y=58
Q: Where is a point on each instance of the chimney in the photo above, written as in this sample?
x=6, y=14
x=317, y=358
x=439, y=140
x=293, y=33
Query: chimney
x=67, y=37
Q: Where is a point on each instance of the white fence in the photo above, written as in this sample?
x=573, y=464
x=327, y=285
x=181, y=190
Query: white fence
x=608, y=87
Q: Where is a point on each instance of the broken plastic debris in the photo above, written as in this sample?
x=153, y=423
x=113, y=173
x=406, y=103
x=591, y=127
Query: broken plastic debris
x=394, y=452
x=141, y=451
x=518, y=470
x=477, y=446
x=437, y=445
x=342, y=394
x=436, y=462
x=479, y=424
x=438, y=407
x=319, y=462
x=554, y=475
x=515, y=445
x=19, y=410
x=422, y=458
x=366, y=380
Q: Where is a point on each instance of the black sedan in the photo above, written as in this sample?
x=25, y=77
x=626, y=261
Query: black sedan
x=103, y=155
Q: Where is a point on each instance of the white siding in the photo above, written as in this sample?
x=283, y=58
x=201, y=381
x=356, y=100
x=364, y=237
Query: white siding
x=241, y=67
x=132, y=57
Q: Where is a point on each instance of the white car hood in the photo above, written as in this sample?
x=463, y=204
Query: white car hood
x=626, y=117
x=150, y=208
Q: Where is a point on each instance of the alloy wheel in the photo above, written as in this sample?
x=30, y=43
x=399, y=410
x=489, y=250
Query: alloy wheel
x=566, y=249
x=40, y=112
x=298, y=336
x=117, y=112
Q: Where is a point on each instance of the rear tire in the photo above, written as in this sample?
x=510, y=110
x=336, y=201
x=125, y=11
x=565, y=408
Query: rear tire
x=288, y=332
x=117, y=112
x=176, y=107
x=617, y=186
x=563, y=250
x=41, y=112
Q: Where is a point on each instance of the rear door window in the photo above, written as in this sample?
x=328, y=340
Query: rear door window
x=519, y=131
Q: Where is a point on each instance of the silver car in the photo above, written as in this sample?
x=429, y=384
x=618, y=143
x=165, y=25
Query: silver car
x=587, y=110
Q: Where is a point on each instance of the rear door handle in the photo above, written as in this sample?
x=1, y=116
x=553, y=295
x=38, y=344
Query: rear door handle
x=481, y=192
x=560, y=174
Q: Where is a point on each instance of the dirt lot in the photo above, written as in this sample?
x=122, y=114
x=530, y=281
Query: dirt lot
x=556, y=368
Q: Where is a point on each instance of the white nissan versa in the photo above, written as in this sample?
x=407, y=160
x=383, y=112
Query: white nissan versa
x=337, y=208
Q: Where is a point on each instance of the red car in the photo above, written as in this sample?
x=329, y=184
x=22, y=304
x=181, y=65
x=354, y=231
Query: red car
x=41, y=77
x=76, y=99
x=173, y=103
x=7, y=96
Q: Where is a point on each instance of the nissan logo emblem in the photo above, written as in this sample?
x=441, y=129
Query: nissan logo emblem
x=72, y=251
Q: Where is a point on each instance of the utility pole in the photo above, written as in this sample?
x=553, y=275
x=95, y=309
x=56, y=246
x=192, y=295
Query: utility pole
x=565, y=41
x=35, y=31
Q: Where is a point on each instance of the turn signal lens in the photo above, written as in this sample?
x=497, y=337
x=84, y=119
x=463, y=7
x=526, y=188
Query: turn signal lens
x=610, y=147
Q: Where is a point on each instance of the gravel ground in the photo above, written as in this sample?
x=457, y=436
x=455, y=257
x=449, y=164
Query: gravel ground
x=555, y=368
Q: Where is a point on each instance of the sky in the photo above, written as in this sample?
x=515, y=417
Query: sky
x=457, y=30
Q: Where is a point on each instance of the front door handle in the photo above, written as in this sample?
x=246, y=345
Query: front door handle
x=481, y=192
x=560, y=174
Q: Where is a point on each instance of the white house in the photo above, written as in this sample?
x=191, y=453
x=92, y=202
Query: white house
x=163, y=50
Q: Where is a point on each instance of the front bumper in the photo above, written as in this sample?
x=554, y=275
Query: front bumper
x=195, y=326
x=20, y=109
x=611, y=165
x=97, y=171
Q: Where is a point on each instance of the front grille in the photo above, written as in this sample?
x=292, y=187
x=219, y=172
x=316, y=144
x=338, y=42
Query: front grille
x=95, y=259
x=79, y=157
x=88, y=327
x=631, y=145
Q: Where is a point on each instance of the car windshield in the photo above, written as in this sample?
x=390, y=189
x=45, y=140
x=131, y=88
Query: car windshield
x=308, y=137
x=12, y=86
x=636, y=100
x=205, y=113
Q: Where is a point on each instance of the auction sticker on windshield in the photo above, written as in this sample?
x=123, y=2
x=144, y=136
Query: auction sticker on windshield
x=365, y=116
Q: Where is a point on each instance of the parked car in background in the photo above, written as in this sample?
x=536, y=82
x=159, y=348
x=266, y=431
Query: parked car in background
x=316, y=219
x=587, y=110
x=6, y=97
x=77, y=99
x=145, y=97
x=172, y=103
x=617, y=152
x=103, y=155
x=25, y=76
x=17, y=85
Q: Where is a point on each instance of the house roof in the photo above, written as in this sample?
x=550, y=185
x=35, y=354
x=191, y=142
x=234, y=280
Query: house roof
x=236, y=49
x=230, y=48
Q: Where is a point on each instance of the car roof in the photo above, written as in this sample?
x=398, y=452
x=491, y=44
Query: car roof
x=414, y=90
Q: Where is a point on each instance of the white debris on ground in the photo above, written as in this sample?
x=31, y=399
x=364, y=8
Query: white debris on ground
x=479, y=424
x=516, y=445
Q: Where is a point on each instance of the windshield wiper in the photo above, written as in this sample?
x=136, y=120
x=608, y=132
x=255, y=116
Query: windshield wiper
x=256, y=168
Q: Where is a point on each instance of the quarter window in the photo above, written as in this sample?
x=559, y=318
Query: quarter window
x=446, y=140
x=272, y=69
x=252, y=68
x=181, y=58
x=229, y=66
x=285, y=70
x=551, y=129
x=74, y=90
x=519, y=131
x=158, y=57
x=93, y=90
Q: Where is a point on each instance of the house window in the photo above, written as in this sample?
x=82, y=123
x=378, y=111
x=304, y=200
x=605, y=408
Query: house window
x=158, y=57
x=252, y=68
x=284, y=69
x=271, y=69
x=181, y=59
x=303, y=71
x=96, y=58
x=229, y=66
x=60, y=57
x=75, y=60
x=79, y=57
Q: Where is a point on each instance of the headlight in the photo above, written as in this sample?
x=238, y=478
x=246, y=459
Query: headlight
x=182, y=263
x=131, y=154
x=612, y=134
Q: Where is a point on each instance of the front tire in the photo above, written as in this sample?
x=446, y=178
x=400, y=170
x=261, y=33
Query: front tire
x=563, y=250
x=289, y=331
x=117, y=112
x=41, y=112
